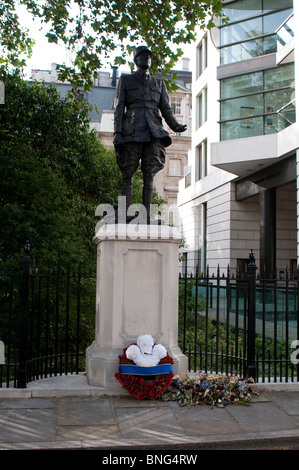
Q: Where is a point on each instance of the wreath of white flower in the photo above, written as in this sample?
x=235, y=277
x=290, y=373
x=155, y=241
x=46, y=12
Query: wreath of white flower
x=146, y=353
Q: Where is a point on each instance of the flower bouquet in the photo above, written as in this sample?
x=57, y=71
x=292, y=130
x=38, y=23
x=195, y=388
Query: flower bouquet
x=214, y=390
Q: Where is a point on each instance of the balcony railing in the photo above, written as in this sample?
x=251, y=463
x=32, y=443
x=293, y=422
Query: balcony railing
x=259, y=124
x=285, y=32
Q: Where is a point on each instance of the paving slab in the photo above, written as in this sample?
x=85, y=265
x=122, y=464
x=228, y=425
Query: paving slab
x=147, y=422
x=77, y=411
x=259, y=418
x=24, y=425
x=204, y=420
x=16, y=403
x=287, y=401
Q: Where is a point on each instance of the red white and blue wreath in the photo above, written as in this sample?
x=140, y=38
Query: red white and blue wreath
x=145, y=368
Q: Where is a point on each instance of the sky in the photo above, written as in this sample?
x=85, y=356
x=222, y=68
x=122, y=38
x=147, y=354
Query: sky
x=44, y=53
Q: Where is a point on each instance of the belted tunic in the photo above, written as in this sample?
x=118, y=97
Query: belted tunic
x=141, y=101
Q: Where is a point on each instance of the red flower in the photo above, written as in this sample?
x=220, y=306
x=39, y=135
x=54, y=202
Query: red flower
x=141, y=388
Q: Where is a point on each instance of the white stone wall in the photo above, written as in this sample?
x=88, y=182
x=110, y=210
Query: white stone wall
x=219, y=228
x=218, y=247
x=245, y=233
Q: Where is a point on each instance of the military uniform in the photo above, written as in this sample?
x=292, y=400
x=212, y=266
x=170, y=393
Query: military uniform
x=141, y=101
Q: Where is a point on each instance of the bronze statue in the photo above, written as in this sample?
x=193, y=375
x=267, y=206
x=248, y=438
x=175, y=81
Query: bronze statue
x=141, y=99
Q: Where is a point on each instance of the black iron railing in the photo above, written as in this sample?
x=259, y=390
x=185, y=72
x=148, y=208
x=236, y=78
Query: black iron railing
x=229, y=323
x=243, y=323
x=46, y=321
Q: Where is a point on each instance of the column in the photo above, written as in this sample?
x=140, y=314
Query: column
x=268, y=232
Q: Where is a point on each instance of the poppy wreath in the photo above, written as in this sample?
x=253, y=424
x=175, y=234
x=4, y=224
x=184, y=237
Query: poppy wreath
x=144, y=381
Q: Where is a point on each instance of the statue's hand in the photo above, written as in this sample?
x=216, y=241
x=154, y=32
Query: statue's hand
x=118, y=139
x=180, y=128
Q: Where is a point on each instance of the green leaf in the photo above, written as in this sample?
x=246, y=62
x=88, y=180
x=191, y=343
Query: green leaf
x=106, y=25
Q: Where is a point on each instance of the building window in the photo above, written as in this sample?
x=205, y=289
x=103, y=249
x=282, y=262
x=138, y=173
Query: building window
x=176, y=105
x=251, y=29
x=258, y=103
x=201, y=161
x=202, y=56
x=175, y=167
x=202, y=103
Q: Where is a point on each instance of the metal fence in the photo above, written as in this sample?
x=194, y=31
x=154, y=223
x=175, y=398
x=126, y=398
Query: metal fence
x=228, y=323
x=240, y=323
x=46, y=321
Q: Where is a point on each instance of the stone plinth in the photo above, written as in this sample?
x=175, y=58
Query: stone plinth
x=137, y=293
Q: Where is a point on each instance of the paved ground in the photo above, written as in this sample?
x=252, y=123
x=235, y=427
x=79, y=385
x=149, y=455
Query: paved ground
x=66, y=413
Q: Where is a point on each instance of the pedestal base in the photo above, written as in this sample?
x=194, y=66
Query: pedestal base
x=102, y=364
x=137, y=293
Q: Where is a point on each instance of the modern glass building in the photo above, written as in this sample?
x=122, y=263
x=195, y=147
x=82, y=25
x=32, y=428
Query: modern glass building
x=240, y=186
x=261, y=102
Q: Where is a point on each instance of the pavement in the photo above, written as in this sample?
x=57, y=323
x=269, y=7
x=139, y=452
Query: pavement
x=65, y=413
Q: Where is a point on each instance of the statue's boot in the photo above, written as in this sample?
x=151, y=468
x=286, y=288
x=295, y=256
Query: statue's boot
x=148, y=193
x=127, y=190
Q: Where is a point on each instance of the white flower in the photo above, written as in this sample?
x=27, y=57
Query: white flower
x=146, y=354
x=133, y=352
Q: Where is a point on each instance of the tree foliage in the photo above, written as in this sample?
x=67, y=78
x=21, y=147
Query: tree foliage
x=54, y=173
x=15, y=43
x=96, y=29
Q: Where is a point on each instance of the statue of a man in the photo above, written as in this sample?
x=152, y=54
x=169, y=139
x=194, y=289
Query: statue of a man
x=138, y=131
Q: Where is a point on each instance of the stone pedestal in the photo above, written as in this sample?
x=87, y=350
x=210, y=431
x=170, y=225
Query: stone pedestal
x=137, y=293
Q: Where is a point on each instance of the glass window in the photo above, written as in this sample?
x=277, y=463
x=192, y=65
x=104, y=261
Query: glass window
x=240, y=10
x=251, y=28
x=276, y=100
x=262, y=125
x=277, y=122
x=175, y=104
x=279, y=77
x=270, y=5
x=241, y=31
x=200, y=66
x=202, y=56
x=243, y=51
x=202, y=107
x=287, y=115
x=201, y=161
x=200, y=111
x=272, y=22
x=244, y=30
x=242, y=84
x=242, y=107
x=240, y=129
x=248, y=50
x=269, y=45
x=272, y=95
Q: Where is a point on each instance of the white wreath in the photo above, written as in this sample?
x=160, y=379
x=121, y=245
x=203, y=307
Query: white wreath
x=146, y=353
